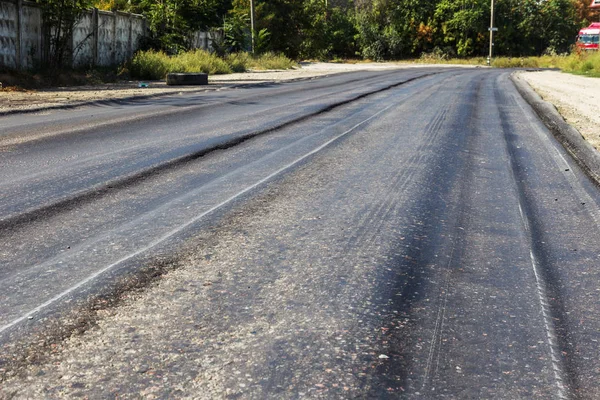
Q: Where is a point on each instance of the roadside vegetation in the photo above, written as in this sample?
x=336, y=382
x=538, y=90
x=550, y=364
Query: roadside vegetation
x=155, y=65
x=581, y=63
x=531, y=33
x=378, y=30
x=31, y=80
x=575, y=62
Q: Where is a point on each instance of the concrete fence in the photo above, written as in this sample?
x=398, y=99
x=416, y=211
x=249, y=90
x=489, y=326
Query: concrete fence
x=100, y=38
x=106, y=38
x=21, y=36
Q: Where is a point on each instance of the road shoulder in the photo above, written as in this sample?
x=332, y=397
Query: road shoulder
x=566, y=113
x=576, y=98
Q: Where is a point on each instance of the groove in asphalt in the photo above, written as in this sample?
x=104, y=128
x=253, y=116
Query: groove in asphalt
x=562, y=209
x=101, y=181
x=66, y=266
x=184, y=226
x=396, y=262
x=51, y=123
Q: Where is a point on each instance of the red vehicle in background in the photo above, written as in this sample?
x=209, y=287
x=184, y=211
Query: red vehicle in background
x=589, y=37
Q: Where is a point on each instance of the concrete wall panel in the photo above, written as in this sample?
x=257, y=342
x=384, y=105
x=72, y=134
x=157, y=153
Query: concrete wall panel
x=8, y=34
x=121, y=38
x=31, y=36
x=138, y=31
x=200, y=40
x=105, y=38
x=112, y=41
x=83, y=41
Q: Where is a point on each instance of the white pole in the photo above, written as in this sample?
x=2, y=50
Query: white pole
x=252, y=23
x=491, y=33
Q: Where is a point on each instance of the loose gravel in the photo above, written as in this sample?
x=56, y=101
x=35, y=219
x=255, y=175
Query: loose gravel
x=577, y=98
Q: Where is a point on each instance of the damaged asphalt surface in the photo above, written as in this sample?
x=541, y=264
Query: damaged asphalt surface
x=396, y=234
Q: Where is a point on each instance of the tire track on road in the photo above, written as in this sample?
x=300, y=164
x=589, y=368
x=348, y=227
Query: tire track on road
x=112, y=185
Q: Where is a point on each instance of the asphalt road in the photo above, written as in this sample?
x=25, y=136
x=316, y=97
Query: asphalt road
x=402, y=234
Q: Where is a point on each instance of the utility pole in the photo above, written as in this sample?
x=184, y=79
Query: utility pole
x=489, y=60
x=252, y=24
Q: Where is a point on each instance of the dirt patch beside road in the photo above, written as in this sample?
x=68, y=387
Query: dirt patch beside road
x=577, y=98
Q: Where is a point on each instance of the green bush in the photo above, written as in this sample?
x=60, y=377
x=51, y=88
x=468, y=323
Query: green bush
x=271, y=61
x=515, y=62
x=587, y=63
x=238, y=62
x=586, y=66
x=153, y=65
x=199, y=61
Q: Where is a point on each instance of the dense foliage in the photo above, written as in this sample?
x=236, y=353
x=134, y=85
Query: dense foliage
x=402, y=28
x=375, y=29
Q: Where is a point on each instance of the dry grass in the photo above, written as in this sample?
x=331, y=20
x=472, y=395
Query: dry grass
x=155, y=65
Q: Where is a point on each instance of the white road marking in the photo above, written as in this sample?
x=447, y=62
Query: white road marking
x=551, y=338
x=550, y=333
x=555, y=147
x=439, y=323
x=180, y=228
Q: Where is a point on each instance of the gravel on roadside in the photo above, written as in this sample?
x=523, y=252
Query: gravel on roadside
x=577, y=99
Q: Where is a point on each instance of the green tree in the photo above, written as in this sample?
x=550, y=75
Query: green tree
x=461, y=24
x=303, y=29
x=342, y=32
x=113, y=5
x=172, y=21
x=328, y=31
x=376, y=29
x=60, y=19
x=530, y=27
x=285, y=20
x=394, y=28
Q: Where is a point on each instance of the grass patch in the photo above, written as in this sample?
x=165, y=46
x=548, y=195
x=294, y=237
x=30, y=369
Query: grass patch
x=155, y=65
x=530, y=62
x=437, y=57
x=579, y=63
x=199, y=61
x=13, y=80
x=271, y=61
x=149, y=65
x=238, y=62
x=587, y=64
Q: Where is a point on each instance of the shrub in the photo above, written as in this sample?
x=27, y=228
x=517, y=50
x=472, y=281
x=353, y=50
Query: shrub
x=199, y=61
x=271, y=61
x=238, y=62
x=155, y=65
x=150, y=64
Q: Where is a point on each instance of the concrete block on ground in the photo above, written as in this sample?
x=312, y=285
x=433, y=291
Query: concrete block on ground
x=187, y=79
